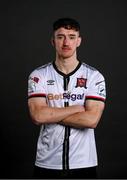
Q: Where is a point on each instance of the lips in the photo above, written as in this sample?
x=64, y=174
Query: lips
x=66, y=48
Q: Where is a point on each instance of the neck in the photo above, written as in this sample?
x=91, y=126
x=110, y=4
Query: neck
x=66, y=65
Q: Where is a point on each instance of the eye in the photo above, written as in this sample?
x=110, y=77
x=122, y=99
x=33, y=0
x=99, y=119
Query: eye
x=59, y=37
x=72, y=37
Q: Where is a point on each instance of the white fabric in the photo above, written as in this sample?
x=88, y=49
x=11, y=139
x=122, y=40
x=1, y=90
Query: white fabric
x=85, y=83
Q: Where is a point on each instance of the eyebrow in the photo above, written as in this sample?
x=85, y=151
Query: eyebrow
x=64, y=35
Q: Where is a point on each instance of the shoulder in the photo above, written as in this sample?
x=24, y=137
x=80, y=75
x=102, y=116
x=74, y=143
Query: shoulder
x=88, y=67
x=45, y=66
x=92, y=71
x=41, y=69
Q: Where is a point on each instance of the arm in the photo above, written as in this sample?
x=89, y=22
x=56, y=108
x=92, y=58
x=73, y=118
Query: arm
x=88, y=118
x=41, y=113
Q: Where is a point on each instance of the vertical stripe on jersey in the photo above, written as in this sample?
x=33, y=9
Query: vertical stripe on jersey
x=67, y=132
x=65, y=156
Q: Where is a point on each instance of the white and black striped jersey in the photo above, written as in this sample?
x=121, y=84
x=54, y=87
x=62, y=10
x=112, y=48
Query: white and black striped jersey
x=64, y=147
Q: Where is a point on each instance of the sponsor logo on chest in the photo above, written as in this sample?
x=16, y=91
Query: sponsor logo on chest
x=65, y=96
x=76, y=94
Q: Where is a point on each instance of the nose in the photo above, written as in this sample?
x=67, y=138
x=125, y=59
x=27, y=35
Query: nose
x=66, y=41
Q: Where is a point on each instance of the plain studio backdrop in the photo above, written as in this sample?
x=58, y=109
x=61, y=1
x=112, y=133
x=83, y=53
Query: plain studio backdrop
x=25, y=29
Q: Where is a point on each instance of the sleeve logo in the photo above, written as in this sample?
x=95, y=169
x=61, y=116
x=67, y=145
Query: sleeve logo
x=32, y=84
x=101, y=90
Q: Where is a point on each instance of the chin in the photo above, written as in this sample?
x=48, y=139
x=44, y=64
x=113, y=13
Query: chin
x=65, y=56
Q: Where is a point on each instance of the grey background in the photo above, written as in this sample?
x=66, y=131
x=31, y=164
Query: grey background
x=25, y=30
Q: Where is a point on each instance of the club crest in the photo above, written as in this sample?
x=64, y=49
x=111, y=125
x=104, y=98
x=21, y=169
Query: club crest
x=81, y=82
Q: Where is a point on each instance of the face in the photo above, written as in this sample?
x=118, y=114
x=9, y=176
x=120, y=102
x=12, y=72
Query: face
x=66, y=42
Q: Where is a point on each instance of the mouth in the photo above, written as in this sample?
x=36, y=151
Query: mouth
x=66, y=49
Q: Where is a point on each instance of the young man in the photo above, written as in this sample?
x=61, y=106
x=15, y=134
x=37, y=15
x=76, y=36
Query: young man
x=66, y=97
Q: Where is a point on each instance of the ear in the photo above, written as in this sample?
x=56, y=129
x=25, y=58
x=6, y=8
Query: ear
x=79, y=41
x=52, y=41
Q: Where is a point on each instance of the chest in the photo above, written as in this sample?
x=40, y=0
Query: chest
x=66, y=88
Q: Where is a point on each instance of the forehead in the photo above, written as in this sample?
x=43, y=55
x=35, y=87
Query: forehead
x=66, y=31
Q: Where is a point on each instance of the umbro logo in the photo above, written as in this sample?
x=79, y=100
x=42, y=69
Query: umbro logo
x=50, y=82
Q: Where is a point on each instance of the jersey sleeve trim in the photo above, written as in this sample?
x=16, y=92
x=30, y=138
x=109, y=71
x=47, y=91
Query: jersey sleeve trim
x=95, y=98
x=37, y=95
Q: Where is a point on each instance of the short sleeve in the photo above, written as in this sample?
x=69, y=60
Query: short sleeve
x=36, y=87
x=96, y=87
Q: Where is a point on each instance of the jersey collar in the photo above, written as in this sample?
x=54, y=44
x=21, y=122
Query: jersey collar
x=69, y=74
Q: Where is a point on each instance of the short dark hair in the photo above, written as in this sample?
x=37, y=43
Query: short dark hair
x=67, y=23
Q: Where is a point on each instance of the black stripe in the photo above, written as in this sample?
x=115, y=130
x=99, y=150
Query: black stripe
x=97, y=99
x=65, y=156
x=66, y=148
x=33, y=96
x=66, y=81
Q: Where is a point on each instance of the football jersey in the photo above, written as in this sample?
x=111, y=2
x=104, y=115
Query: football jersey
x=59, y=146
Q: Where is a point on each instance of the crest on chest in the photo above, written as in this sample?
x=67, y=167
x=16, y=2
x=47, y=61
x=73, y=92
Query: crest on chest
x=81, y=82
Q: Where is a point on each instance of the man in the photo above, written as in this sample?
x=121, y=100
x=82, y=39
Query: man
x=66, y=97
